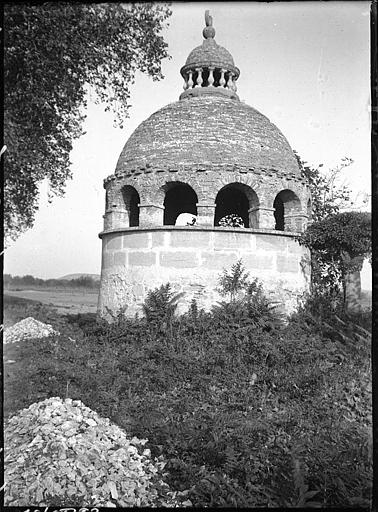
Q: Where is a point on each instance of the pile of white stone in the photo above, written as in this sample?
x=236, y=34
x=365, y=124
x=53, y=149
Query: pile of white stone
x=27, y=329
x=60, y=452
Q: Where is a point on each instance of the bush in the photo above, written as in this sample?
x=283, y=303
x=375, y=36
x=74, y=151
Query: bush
x=244, y=415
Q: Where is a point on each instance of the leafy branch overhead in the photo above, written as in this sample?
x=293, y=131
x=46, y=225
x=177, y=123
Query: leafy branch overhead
x=327, y=194
x=53, y=53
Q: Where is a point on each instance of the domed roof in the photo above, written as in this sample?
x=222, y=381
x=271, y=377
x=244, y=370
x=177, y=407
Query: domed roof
x=204, y=131
x=209, y=53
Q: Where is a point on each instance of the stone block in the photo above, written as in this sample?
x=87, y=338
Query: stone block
x=224, y=240
x=158, y=238
x=120, y=258
x=113, y=242
x=259, y=261
x=293, y=247
x=288, y=263
x=150, y=215
x=179, y=259
x=218, y=260
x=143, y=259
x=107, y=259
x=135, y=240
x=190, y=238
x=271, y=243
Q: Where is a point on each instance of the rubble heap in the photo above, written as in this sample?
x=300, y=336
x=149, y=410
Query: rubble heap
x=27, y=329
x=61, y=453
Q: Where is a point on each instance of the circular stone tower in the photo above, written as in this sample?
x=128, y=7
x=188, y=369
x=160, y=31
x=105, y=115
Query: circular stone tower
x=207, y=155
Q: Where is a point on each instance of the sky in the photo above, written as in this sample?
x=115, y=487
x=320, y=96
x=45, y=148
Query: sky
x=305, y=65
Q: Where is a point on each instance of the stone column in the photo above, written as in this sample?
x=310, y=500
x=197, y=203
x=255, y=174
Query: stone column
x=352, y=281
x=295, y=222
x=265, y=217
x=253, y=217
x=199, y=77
x=151, y=215
x=211, y=76
x=222, y=81
x=205, y=214
x=116, y=219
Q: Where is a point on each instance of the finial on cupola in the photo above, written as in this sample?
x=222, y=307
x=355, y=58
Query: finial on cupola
x=209, y=31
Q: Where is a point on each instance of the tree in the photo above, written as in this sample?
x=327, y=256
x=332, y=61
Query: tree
x=54, y=53
x=341, y=242
x=327, y=196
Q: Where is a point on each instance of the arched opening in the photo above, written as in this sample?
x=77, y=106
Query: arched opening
x=131, y=201
x=279, y=215
x=237, y=199
x=107, y=205
x=286, y=205
x=179, y=198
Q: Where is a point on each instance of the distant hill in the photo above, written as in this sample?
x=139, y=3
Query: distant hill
x=96, y=277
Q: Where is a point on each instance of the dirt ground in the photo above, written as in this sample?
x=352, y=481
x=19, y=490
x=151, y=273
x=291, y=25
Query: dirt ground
x=64, y=301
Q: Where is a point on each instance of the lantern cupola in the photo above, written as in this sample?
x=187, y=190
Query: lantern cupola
x=209, y=68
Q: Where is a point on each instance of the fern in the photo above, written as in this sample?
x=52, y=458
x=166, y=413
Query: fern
x=233, y=282
x=160, y=304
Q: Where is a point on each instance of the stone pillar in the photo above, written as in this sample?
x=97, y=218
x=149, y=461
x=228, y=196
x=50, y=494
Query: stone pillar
x=205, y=214
x=296, y=222
x=151, y=215
x=253, y=217
x=230, y=82
x=222, y=81
x=116, y=219
x=199, y=77
x=265, y=217
x=352, y=281
x=211, y=76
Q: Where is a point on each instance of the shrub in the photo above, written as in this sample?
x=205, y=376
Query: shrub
x=160, y=304
x=243, y=414
x=233, y=221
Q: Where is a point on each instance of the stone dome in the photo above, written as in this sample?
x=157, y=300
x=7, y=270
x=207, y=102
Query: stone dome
x=209, y=53
x=207, y=130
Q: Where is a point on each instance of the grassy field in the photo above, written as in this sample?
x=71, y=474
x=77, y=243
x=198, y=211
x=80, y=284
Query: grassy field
x=246, y=413
x=62, y=300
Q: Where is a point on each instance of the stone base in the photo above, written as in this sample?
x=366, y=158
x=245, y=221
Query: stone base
x=191, y=259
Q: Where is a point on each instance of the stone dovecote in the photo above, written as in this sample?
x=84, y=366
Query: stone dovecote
x=207, y=155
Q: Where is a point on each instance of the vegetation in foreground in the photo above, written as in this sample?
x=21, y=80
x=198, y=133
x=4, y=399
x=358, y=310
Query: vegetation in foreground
x=246, y=411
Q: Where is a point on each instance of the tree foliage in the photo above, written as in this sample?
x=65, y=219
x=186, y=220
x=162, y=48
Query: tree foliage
x=54, y=53
x=347, y=232
x=338, y=244
x=327, y=196
x=232, y=221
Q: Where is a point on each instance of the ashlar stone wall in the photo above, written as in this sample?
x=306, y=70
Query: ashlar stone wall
x=136, y=260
